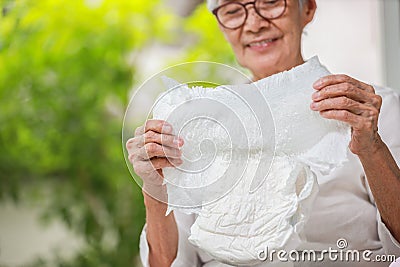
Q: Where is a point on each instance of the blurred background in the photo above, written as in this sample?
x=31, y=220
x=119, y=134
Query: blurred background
x=67, y=72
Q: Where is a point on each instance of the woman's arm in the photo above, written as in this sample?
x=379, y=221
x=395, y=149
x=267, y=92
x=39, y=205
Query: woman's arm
x=343, y=98
x=164, y=240
x=383, y=176
x=153, y=148
x=162, y=233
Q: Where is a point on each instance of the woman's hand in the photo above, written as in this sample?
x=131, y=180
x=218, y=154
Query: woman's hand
x=154, y=147
x=345, y=99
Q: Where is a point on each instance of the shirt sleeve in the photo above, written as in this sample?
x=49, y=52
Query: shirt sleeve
x=186, y=255
x=390, y=245
x=389, y=129
x=389, y=121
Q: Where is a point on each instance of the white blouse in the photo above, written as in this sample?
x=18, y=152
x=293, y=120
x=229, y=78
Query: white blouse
x=344, y=209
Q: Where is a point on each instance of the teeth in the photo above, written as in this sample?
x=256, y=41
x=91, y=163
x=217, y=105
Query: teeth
x=264, y=42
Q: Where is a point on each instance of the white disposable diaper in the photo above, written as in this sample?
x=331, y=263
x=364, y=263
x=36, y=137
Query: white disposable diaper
x=251, y=155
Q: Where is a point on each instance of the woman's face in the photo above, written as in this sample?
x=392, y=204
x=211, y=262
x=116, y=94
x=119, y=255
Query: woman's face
x=268, y=47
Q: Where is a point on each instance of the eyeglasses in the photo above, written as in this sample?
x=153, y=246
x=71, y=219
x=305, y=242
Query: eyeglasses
x=233, y=15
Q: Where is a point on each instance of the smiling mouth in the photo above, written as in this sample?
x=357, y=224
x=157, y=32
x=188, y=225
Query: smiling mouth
x=262, y=43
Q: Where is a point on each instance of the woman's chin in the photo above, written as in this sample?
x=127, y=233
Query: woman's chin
x=265, y=70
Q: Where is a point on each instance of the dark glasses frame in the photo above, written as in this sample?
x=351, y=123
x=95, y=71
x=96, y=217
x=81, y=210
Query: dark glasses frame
x=215, y=12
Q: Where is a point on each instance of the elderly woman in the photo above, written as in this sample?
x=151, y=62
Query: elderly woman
x=361, y=203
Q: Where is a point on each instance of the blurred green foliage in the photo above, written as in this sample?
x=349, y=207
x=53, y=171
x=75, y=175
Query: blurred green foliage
x=66, y=68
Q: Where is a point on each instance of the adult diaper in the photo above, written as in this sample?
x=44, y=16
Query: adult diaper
x=251, y=156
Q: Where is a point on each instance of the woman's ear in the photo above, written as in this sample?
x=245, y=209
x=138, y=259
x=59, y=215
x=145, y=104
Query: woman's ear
x=308, y=12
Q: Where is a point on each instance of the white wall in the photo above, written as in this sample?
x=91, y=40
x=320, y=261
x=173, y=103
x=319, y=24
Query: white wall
x=391, y=18
x=347, y=36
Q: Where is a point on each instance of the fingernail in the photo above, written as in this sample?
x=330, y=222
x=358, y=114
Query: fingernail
x=177, y=141
x=317, y=83
x=313, y=105
x=315, y=95
x=178, y=162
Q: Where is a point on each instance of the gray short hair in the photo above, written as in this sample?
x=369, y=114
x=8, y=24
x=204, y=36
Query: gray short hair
x=212, y=4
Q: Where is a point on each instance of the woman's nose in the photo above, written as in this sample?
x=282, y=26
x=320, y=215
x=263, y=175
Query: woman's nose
x=254, y=21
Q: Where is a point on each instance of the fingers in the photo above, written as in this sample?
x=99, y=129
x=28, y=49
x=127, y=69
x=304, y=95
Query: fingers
x=333, y=86
x=341, y=78
x=160, y=163
x=154, y=140
x=149, y=166
x=151, y=150
x=341, y=115
x=341, y=103
x=158, y=126
x=162, y=139
x=133, y=144
x=358, y=115
x=358, y=122
x=343, y=89
x=376, y=101
x=345, y=99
